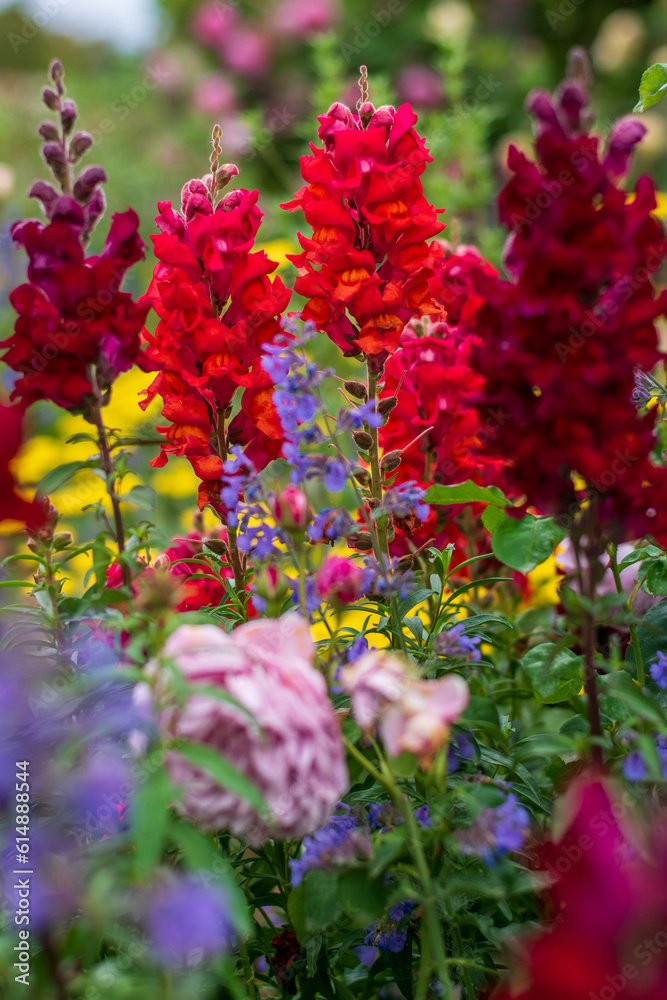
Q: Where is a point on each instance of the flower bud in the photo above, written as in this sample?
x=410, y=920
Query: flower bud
x=61, y=540
x=87, y=182
x=68, y=116
x=390, y=461
x=56, y=71
x=386, y=405
x=224, y=175
x=54, y=156
x=46, y=193
x=80, y=143
x=362, y=440
x=362, y=476
x=356, y=389
x=339, y=581
x=162, y=561
x=292, y=510
x=272, y=586
x=48, y=131
x=195, y=198
x=366, y=112
x=94, y=210
x=50, y=98
x=361, y=540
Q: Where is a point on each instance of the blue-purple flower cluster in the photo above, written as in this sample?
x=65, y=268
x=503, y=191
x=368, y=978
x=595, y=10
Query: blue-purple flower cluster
x=455, y=644
x=338, y=843
x=495, y=830
x=635, y=767
x=390, y=933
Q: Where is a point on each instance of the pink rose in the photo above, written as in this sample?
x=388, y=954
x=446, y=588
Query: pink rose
x=418, y=722
x=287, y=741
x=374, y=682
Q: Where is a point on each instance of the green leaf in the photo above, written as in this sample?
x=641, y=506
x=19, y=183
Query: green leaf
x=652, y=87
x=141, y=496
x=656, y=580
x=206, y=759
x=556, y=674
x=320, y=901
x=492, y=516
x=637, y=699
x=468, y=492
x=652, y=636
x=524, y=544
x=362, y=897
x=151, y=815
x=54, y=479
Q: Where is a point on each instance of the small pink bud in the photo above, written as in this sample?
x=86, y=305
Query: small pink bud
x=339, y=581
x=48, y=131
x=87, y=182
x=292, y=510
x=68, y=115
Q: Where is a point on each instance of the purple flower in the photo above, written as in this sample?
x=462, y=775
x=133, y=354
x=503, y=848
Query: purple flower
x=461, y=747
x=383, y=816
x=405, y=498
x=187, y=920
x=366, y=954
x=390, y=933
x=423, y=815
x=357, y=648
x=634, y=766
x=330, y=524
x=341, y=841
x=354, y=419
x=658, y=670
x=454, y=643
x=495, y=831
x=336, y=476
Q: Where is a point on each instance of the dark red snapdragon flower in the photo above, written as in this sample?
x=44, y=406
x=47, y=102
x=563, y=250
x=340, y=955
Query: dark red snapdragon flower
x=366, y=269
x=605, y=936
x=559, y=341
x=12, y=505
x=71, y=312
x=217, y=306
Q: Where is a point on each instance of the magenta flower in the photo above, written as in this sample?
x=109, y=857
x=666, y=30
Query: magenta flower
x=339, y=581
x=284, y=736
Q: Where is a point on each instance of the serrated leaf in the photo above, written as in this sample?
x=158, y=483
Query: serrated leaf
x=522, y=544
x=652, y=87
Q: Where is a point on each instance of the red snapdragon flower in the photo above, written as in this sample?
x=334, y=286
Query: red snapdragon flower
x=217, y=306
x=71, y=313
x=606, y=933
x=367, y=266
x=436, y=390
x=13, y=506
x=558, y=342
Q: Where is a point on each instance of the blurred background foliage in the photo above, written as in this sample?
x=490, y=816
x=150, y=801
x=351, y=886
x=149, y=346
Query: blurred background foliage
x=264, y=69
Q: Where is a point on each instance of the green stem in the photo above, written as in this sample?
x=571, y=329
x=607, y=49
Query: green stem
x=434, y=955
x=634, y=637
x=376, y=472
x=237, y=568
x=247, y=969
x=108, y=468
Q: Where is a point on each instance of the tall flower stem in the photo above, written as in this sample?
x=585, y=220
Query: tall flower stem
x=108, y=469
x=376, y=472
x=433, y=957
x=232, y=535
x=634, y=637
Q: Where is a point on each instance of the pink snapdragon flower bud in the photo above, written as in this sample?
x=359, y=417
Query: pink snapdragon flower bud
x=375, y=681
x=292, y=510
x=418, y=722
x=339, y=581
x=282, y=735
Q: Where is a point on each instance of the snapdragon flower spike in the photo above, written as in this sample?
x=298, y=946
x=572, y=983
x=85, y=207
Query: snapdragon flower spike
x=366, y=269
x=561, y=339
x=71, y=312
x=217, y=308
